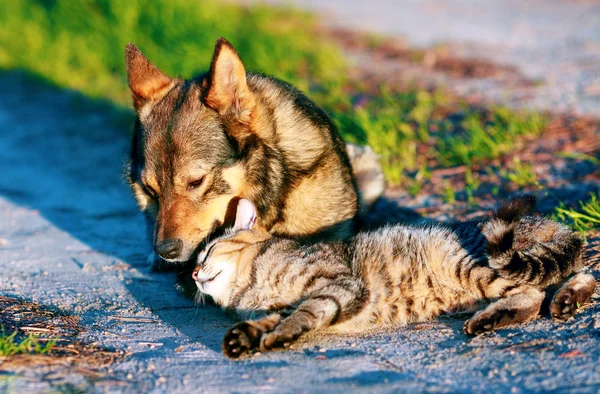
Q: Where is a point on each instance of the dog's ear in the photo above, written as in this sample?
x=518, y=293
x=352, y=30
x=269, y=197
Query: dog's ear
x=148, y=84
x=245, y=216
x=228, y=90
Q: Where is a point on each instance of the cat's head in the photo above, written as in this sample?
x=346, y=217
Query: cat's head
x=229, y=258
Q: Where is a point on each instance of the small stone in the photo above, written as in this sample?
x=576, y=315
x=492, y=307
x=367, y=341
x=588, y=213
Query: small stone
x=179, y=349
x=322, y=350
x=270, y=380
x=571, y=354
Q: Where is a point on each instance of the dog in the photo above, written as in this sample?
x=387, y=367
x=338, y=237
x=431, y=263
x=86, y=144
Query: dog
x=201, y=145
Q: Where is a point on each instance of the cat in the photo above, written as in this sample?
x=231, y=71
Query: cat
x=392, y=276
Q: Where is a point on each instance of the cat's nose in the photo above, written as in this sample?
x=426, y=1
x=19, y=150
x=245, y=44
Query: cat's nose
x=195, y=273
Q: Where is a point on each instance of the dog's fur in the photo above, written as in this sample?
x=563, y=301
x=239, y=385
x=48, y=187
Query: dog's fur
x=200, y=145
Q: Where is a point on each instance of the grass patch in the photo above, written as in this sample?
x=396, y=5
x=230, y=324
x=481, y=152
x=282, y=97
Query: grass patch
x=11, y=345
x=416, y=130
x=584, y=219
x=79, y=45
x=521, y=174
x=487, y=135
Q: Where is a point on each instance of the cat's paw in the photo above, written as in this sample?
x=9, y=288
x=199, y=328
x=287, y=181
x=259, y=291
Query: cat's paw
x=484, y=321
x=281, y=337
x=563, y=305
x=568, y=299
x=240, y=340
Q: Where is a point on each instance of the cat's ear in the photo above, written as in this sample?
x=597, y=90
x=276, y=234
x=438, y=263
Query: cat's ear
x=228, y=90
x=245, y=216
x=147, y=83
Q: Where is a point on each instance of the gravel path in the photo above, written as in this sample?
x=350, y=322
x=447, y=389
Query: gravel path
x=554, y=42
x=71, y=238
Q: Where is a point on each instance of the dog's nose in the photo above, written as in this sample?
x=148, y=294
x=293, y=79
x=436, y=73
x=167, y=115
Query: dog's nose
x=169, y=248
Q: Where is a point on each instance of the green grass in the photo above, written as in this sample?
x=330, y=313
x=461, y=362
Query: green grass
x=584, y=219
x=488, y=135
x=11, y=345
x=521, y=174
x=580, y=156
x=79, y=45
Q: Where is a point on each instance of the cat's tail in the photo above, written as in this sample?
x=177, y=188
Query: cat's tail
x=531, y=249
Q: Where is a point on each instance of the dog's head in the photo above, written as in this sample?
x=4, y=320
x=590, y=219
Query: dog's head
x=185, y=168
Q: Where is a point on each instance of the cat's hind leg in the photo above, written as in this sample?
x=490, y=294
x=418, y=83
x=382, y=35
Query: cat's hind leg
x=245, y=336
x=576, y=291
x=516, y=306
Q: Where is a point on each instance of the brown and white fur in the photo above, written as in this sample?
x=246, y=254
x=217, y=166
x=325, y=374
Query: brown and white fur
x=200, y=145
x=393, y=276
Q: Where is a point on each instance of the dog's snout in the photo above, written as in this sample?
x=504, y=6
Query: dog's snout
x=169, y=248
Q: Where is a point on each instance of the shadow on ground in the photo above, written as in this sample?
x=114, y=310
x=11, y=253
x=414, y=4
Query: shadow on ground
x=66, y=153
x=63, y=154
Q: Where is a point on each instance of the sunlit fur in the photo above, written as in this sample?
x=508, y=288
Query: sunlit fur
x=244, y=135
x=395, y=275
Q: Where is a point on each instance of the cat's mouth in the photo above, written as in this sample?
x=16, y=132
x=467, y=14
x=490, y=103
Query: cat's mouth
x=204, y=281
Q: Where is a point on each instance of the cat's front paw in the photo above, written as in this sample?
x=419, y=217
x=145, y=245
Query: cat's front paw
x=484, y=321
x=240, y=340
x=281, y=337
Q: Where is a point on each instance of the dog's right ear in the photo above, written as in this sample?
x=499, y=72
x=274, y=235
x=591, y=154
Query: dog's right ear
x=245, y=216
x=148, y=84
x=228, y=90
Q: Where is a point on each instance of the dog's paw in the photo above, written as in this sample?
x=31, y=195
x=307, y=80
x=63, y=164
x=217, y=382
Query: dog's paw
x=241, y=340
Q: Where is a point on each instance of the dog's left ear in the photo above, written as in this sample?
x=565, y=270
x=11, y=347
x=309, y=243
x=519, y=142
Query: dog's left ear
x=228, y=91
x=245, y=216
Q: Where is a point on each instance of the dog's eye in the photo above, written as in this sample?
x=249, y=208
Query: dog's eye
x=150, y=191
x=195, y=183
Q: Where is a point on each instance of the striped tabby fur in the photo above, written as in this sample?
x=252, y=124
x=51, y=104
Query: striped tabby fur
x=392, y=276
